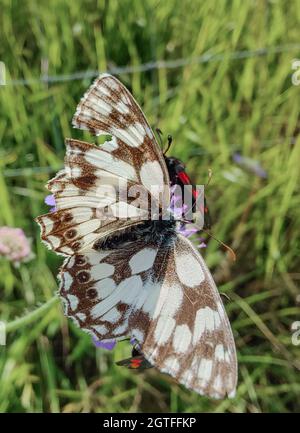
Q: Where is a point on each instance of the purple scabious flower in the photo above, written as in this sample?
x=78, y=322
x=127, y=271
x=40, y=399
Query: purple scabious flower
x=50, y=201
x=14, y=245
x=176, y=207
x=250, y=164
x=107, y=344
x=202, y=243
x=110, y=344
x=187, y=231
x=135, y=343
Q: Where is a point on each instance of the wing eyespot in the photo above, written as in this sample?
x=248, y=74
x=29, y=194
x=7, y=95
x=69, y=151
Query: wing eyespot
x=68, y=217
x=70, y=234
x=91, y=293
x=80, y=260
x=75, y=245
x=83, y=276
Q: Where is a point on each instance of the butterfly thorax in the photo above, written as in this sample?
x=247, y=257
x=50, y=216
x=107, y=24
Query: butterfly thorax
x=157, y=232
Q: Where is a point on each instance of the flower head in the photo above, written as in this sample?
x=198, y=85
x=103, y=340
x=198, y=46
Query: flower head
x=135, y=343
x=50, y=201
x=250, y=164
x=176, y=208
x=110, y=344
x=107, y=344
x=14, y=245
x=187, y=231
x=202, y=243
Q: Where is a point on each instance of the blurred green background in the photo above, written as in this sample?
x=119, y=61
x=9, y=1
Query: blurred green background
x=231, y=98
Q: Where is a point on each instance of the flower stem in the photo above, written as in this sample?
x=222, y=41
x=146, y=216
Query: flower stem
x=32, y=316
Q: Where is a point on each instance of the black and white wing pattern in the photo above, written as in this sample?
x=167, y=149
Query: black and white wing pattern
x=158, y=291
x=109, y=108
x=189, y=336
x=163, y=297
x=93, y=176
x=103, y=291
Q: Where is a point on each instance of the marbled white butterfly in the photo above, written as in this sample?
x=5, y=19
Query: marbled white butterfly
x=128, y=274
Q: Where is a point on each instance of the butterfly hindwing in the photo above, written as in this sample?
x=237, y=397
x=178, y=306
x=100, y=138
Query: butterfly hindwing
x=166, y=299
x=104, y=292
x=189, y=336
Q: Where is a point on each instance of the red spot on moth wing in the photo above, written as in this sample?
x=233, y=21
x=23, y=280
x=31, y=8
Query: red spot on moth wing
x=136, y=362
x=184, y=178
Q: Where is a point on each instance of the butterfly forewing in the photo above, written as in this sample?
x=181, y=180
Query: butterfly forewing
x=109, y=108
x=132, y=155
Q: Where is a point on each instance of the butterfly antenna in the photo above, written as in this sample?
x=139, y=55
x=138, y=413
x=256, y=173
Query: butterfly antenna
x=170, y=139
x=230, y=250
x=160, y=134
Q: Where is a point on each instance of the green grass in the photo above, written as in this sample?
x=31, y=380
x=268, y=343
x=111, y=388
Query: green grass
x=212, y=109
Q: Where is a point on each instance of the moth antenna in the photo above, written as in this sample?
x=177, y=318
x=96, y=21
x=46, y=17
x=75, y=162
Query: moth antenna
x=230, y=250
x=170, y=140
x=160, y=134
